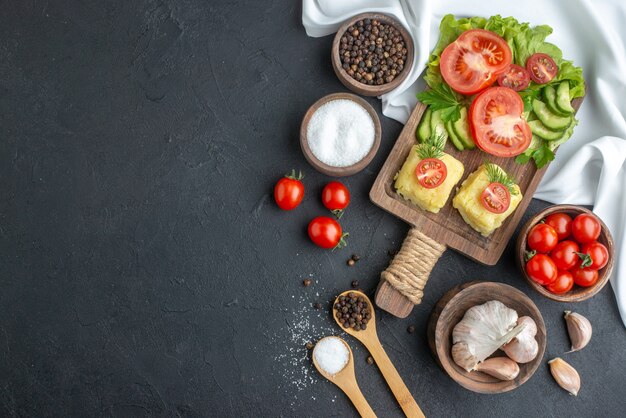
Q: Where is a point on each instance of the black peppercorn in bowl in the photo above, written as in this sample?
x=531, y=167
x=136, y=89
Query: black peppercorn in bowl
x=372, y=54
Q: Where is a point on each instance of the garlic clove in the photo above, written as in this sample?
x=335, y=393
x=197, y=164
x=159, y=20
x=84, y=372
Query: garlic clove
x=524, y=347
x=579, y=330
x=565, y=375
x=502, y=368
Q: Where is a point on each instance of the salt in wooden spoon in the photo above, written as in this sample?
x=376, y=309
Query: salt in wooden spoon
x=370, y=340
x=346, y=381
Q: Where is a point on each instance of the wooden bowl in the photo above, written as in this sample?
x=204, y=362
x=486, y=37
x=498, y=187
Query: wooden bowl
x=578, y=293
x=329, y=169
x=357, y=86
x=450, y=310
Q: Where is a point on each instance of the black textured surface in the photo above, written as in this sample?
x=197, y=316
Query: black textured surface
x=145, y=269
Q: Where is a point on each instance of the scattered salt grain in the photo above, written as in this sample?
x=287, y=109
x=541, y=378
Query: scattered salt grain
x=340, y=133
x=331, y=355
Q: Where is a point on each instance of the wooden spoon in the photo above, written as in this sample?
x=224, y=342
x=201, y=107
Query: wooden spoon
x=346, y=381
x=370, y=340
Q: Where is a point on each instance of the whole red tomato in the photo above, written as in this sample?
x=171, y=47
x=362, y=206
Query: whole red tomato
x=542, y=238
x=565, y=255
x=289, y=191
x=563, y=283
x=562, y=224
x=336, y=197
x=326, y=232
x=598, y=253
x=585, y=277
x=586, y=228
x=541, y=269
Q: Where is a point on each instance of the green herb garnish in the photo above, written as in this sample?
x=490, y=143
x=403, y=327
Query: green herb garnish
x=498, y=175
x=431, y=147
x=441, y=97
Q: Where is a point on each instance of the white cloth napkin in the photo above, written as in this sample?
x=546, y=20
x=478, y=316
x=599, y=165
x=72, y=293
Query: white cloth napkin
x=590, y=169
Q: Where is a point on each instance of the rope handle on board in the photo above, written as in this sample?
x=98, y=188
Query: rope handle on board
x=410, y=268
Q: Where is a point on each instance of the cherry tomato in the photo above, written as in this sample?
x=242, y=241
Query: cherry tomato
x=563, y=283
x=515, y=77
x=289, y=191
x=336, y=197
x=585, y=277
x=598, y=253
x=431, y=172
x=474, y=61
x=565, y=255
x=497, y=124
x=586, y=228
x=541, y=67
x=541, y=269
x=496, y=198
x=542, y=238
x=326, y=232
x=562, y=224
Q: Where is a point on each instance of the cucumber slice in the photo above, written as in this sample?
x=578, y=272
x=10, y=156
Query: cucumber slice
x=423, y=129
x=437, y=126
x=539, y=129
x=453, y=137
x=549, y=94
x=462, y=130
x=564, y=137
x=549, y=119
x=563, y=101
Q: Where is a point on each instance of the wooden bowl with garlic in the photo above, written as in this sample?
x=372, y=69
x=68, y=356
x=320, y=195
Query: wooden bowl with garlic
x=489, y=337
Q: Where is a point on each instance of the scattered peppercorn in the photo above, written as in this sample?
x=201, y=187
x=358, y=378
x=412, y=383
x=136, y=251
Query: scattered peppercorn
x=411, y=329
x=372, y=52
x=370, y=360
x=317, y=305
x=350, y=262
x=309, y=345
x=353, y=311
x=392, y=253
x=355, y=284
x=356, y=257
x=306, y=282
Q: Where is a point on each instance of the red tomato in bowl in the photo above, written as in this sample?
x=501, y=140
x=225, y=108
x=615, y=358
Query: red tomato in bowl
x=598, y=253
x=542, y=238
x=565, y=255
x=585, y=277
x=541, y=67
x=541, y=269
x=497, y=124
x=562, y=224
x=515, y=77
x=563, y=283
x=586, y=228
x=474, y=61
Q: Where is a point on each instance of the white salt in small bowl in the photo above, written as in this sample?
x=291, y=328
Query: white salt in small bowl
x=340, y=134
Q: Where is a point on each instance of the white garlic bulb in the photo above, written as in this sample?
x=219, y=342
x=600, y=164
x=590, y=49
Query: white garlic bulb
x=524, y=347
x=483, y=329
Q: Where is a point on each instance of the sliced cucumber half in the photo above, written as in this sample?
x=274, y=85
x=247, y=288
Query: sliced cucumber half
x=549, y=119
x=563, y=101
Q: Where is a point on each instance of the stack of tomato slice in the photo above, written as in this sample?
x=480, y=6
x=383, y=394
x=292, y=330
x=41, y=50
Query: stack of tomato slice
x=470, y=65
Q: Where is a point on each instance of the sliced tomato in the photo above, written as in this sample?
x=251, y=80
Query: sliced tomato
x=474, y=61
x=496, y=198
x=515, y=77
x=541, y=67
x=497, y=124
x=431, y=172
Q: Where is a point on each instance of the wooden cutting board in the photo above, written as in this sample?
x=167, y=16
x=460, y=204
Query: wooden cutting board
x=448, y=227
